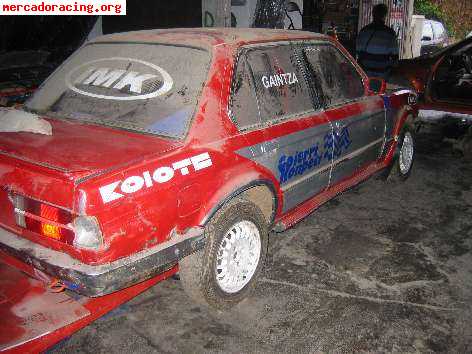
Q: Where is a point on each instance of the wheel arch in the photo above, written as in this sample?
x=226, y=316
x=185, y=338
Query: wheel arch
x=405, y=116
x=257, y=191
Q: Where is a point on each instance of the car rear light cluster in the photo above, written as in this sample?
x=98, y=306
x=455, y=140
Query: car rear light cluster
x=87, y=232
x=56, y=223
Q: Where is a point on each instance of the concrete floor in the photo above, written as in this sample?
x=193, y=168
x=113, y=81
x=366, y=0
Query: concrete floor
x=382, y=268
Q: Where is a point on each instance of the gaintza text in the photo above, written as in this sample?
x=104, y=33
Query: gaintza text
x=303, y=161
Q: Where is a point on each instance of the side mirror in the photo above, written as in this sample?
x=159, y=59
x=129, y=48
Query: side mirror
x=426, y=38
x=377, y=85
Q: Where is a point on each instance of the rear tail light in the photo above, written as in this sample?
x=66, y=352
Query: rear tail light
x=87, y=232
x=56, y=223
x=44, y=219
x=49, y=229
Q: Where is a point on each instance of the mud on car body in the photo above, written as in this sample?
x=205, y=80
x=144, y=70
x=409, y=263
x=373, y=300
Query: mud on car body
x=189, y=146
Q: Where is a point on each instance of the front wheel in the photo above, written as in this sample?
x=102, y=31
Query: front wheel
x=403, y=162
x=224, y=272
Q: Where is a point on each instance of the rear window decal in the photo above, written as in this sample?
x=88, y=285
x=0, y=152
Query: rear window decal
x=101, y=83
x=136, y=85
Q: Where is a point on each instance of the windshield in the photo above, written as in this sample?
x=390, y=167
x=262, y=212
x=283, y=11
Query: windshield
x=150, y=88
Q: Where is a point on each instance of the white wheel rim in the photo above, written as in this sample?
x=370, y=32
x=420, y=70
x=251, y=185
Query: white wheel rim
x=406, y=153
x=238, y=256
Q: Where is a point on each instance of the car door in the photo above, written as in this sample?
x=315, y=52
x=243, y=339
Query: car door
x=449, y=88
x=358, y=119
x=289, y=131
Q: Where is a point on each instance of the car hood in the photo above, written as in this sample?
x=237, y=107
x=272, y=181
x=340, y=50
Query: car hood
x=81, y=149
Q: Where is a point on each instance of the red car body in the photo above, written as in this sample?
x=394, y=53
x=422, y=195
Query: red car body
x=152, y=196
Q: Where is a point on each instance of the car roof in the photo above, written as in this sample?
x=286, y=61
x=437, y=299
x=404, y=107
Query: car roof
x=209, y=37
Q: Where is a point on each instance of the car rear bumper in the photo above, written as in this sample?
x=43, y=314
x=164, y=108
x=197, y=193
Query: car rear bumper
x=98, y=280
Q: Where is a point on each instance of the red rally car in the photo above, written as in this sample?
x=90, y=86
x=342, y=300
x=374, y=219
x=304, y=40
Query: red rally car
x=148, y=151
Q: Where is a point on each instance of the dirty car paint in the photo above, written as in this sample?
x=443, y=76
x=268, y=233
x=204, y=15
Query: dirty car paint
x=145, y=190
x=28, y=309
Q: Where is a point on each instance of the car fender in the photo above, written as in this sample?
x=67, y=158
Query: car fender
x=236, y=186
x=404, y=115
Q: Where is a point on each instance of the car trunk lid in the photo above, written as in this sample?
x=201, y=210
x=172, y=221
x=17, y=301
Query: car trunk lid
x=79, y=150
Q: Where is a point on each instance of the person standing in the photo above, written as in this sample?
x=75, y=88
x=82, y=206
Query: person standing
x=377, y=46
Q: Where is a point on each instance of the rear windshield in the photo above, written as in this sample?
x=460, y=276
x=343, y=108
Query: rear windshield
x=150, y=88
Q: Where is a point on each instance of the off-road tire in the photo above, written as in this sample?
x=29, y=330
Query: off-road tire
x=197, y=271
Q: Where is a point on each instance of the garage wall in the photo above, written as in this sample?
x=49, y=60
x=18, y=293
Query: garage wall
x=150, y=14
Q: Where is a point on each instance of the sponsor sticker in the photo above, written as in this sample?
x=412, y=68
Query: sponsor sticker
x=298, y=163
x=147, y=179
x=121, y=84
x=412, y=99
x=279, y=80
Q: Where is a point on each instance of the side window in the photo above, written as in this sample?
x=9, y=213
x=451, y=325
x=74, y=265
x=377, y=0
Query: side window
x=281, y=87
x=243, y=105
x=333, y=74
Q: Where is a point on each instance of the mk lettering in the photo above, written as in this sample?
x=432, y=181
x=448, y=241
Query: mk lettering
x=132, y=184
x=120, y=79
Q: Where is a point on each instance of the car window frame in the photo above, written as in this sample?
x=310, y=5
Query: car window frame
x=365, y=94
x=242, y=52
x=240, y=56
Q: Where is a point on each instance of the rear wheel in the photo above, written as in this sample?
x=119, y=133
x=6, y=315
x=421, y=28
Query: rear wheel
x=224, y=272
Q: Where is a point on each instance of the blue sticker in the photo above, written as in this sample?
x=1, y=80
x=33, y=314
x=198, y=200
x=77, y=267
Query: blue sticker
x=302, y=161
x=298, y=163
x=342, y=141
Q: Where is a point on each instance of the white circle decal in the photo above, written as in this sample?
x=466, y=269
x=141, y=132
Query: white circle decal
x=107, y=79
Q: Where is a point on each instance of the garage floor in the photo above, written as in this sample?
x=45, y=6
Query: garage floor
x=382, y=268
